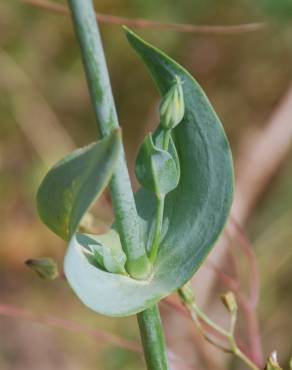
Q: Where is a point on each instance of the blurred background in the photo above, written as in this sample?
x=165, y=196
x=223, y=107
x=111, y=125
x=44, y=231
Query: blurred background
x=45, y=113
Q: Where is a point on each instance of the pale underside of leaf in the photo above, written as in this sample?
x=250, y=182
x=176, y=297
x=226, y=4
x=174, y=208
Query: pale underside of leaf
x=104, y=251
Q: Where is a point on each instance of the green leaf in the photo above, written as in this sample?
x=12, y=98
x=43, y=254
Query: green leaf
x=156, y=170
x=46, y=268
x=104, y=251
x=195, y=211
x=75, y=182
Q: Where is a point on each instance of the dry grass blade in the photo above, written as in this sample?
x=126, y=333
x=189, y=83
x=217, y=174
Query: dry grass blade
x=244, y=243
x=247, y=303
x=145, y=23
x=33, y=114
x=99, y=335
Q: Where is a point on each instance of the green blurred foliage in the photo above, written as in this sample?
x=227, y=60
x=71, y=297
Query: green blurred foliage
x=278, y=9
x=43, y=98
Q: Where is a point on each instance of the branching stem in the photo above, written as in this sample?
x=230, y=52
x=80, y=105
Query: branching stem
x=197, y=314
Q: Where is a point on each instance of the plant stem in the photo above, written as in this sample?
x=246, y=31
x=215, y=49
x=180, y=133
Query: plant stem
x=127, y=220
x=166, y=138
x=237, y=352
x=160, y=207
x=158, y=227
x=121, y=191
x=189, y=301
x=153, y=339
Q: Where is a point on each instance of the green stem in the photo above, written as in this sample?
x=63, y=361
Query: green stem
x=160, y=208
x=189, y=301
x=237, y=352
x=127, y=220
x=166, y=138
x=201, y=314
x=153, y=339
x=158, y=227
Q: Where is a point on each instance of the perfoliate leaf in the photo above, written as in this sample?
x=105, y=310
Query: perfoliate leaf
x=45, y=267
x=104, y=251
x=156, y=169
x=195, y=211
x=75, y=182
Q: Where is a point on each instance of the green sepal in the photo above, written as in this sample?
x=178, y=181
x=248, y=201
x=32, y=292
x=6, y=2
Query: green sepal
x=104, y=251
x=156, y=169
x=75, y=182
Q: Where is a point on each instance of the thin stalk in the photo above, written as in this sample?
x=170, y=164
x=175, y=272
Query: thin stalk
x=153, y=339
x=166, y=138
x=237, y=352
x=158, y=227
x=201, y=314
x=196, y=313
x=127, y=221
x=160, y=208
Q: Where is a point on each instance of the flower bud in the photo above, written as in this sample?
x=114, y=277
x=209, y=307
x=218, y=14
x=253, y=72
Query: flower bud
x=229, y=302
x=46, y=268
x=273, y=363
x=172, y=107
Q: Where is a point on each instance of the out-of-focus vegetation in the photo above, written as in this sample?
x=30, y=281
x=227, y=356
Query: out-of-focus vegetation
x=45, y=111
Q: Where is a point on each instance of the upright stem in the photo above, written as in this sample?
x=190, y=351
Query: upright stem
x=153, y=339
x=160, y=207
x=158, y=227
x=121, y=192
x=102, y=100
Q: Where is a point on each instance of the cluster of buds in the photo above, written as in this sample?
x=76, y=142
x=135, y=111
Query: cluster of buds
x=172, y=107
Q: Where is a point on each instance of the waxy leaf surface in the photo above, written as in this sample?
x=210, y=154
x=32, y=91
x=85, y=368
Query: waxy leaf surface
x=156, y=169
x=195, y=211
x=104, y=251
x=73, y=184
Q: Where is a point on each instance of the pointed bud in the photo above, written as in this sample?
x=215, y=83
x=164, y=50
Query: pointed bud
x=273, y=363
x=229, y=302
x=172, y=107
x=46, y=268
